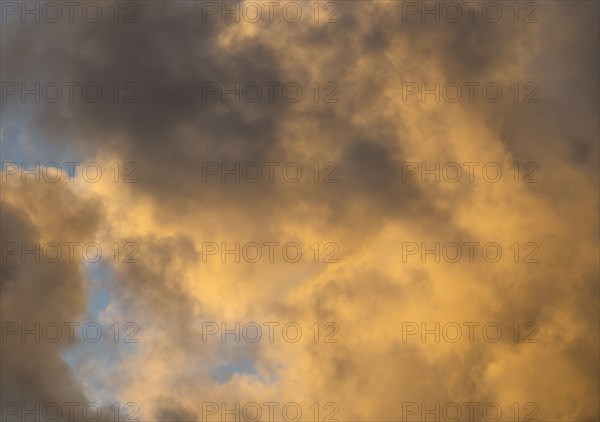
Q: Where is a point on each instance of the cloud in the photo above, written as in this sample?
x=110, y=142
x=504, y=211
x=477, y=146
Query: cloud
x=366, y=218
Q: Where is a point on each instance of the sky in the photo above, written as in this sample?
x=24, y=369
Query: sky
x=317, y=211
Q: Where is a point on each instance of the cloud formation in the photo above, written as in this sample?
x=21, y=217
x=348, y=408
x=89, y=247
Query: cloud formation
x=369, y=219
